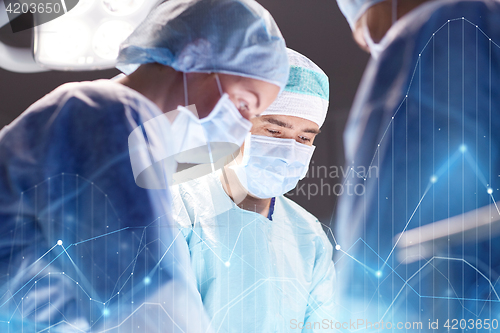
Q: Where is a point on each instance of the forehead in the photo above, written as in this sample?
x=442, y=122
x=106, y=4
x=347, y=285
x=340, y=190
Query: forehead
x=291, y=122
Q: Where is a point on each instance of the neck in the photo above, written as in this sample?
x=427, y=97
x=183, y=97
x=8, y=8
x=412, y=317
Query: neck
x=240, y=196
x=162, y=85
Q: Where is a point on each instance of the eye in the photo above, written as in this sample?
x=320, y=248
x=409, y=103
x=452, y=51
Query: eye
x=273, y=132
x=303, y=138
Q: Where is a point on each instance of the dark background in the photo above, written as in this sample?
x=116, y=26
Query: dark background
x=315, y=28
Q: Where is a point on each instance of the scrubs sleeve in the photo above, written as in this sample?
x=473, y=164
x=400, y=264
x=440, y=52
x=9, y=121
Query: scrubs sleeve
x=73, y=222
x=320, y=307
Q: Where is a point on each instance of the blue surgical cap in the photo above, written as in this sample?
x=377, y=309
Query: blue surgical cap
x=353, y=9
x=237, y=37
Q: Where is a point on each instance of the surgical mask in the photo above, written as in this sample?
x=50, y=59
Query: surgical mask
x=377, y=48
x=271, y=167
x=219, y=134
x=160, y=147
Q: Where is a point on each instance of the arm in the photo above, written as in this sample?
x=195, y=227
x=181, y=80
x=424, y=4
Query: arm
x=321, y=306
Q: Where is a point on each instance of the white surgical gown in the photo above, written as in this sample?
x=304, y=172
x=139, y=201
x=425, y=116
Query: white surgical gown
x=254, y=274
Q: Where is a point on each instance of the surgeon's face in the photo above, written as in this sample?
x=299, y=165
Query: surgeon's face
x=250, y=96
x=286, y=127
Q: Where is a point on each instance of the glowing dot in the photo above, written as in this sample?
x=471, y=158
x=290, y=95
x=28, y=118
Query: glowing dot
x=59, y=242
x=337, y=247
x=105, y=312
x=434, y=179
x=463, y=148
x=378, y=273
x=227, y=263
x=147, y=280
x=490, y=191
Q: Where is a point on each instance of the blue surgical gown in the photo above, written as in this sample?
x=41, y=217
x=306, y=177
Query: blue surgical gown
x=425, y=124
x=254, y=274
x=82, y=247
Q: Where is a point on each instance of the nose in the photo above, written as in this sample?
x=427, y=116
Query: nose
x=248, y=115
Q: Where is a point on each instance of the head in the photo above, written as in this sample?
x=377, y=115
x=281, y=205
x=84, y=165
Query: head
x=270, y=163
x=300, y=111
x=370, y=20
x=250, y=96
x=236, y=39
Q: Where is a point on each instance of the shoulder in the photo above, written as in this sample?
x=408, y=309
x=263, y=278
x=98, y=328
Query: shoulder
x=289, y=204
x=195, y=191
x=105, y=95
x=310, y=229
x=101, y=97
x=301, y=217
x=192, y=198
x=430, y=17
x=99, y=105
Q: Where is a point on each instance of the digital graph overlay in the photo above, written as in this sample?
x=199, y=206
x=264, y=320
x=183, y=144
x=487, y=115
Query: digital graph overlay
x=382, y=268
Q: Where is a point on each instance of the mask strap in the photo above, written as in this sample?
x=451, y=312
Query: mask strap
x=394, y=11
x=184, y=78
x=218, y=84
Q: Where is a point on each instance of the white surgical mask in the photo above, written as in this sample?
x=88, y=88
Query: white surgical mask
x=272, y=166
x=377, y=48
x=211, y=138
x=155, y=156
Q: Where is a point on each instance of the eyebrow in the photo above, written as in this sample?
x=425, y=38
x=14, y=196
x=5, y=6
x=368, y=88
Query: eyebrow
x=312, y=130
x=277, y=122
x=286, y=125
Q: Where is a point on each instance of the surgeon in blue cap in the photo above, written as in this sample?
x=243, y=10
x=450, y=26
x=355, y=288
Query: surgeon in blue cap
x=84, y=245
x=423, y=116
